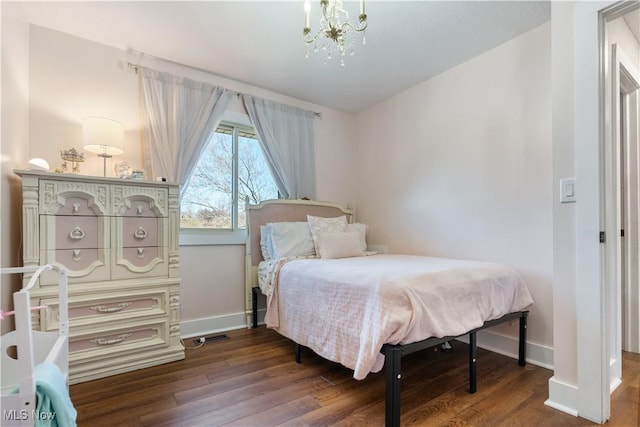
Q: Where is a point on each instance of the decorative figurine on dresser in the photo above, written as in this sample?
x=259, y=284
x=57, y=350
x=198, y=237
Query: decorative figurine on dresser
x=118, y=238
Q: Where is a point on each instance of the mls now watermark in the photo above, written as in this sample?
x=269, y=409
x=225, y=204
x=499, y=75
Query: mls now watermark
x=23, y=415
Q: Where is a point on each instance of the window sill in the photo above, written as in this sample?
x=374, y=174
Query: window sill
x=212, y=237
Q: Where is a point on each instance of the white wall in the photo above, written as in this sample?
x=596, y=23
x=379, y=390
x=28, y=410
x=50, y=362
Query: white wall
x=14, y=143
x=70, y=78
x=461, y=166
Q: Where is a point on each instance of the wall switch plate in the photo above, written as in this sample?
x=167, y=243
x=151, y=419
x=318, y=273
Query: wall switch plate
x=568, y=190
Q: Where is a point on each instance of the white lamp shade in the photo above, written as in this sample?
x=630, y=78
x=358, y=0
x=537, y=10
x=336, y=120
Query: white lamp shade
x=102, y=136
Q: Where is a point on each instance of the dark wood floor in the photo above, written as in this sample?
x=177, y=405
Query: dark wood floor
x=251, y=379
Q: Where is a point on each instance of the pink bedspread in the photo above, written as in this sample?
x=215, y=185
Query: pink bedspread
x=346, y=309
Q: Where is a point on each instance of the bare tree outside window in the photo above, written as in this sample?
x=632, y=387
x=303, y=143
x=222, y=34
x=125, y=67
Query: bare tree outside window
x=208, y=201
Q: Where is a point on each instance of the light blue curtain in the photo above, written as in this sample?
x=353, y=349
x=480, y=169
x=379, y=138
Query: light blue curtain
x=286, y=136
x=179, y=116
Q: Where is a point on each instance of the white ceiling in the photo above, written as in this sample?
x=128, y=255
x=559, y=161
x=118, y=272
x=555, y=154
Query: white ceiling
x=260, y=42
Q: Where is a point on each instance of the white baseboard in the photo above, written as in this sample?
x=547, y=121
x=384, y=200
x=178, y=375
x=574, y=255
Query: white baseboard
x=212, y=325
x=537, y=354
x=563, y=397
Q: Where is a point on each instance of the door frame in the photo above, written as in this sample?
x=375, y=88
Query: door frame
x=595, y=330
x=623, y=138
x=621, y=77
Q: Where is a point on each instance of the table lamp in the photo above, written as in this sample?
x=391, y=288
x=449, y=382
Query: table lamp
x=103, y=136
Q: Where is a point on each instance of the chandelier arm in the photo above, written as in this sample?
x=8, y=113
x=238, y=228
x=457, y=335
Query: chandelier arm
x=350, y=26
x=310, y=39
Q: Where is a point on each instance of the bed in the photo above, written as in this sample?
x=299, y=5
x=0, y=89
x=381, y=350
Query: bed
x=365, y=310
x=35, y=364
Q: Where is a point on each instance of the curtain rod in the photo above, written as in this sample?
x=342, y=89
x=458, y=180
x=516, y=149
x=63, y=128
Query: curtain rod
x=136, y=67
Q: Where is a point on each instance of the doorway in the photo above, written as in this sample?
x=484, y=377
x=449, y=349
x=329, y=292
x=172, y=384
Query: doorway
x=627, y=140
x=622, y=192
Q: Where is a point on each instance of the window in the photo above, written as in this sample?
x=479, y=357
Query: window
x=231, y=168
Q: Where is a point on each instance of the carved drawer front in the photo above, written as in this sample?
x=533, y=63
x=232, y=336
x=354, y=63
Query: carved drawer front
x=80, y=243
x=83, y=265
x=138, y=232
x=140, y=247
x=73, y=198
x=75, y=232
x=140, y=262
x=118, y=341
x=74, y=205
x=137, y=207
x=105, y=308
x=140, y=201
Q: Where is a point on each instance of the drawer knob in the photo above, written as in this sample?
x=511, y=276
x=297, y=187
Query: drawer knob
x=140, y=253
x=140, y=233
x=76, y=208
x=107, y=341
x=140, y=209
x=76, y=255
x=105, y=309
x=76, y=234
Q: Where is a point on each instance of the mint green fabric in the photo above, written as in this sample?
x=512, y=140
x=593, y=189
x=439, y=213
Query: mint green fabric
x=53, y=404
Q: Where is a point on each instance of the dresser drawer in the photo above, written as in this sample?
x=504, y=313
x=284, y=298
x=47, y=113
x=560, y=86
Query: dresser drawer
x=73, y=198
x=139, y=207
x=137, y=232
x=143, y=257
x=83, y=265
x=74, y=205
x=91, y=310
x=130, y=263
x=69, y=232
x=118, y=341
x=140, y=201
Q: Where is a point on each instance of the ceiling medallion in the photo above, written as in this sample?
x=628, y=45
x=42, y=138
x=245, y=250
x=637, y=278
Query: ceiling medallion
x=339, y=34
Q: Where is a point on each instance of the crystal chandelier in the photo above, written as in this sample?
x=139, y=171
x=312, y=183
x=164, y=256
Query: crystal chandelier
x=339, y=34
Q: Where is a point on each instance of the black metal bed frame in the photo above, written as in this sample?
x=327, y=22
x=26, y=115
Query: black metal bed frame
x=393, y=355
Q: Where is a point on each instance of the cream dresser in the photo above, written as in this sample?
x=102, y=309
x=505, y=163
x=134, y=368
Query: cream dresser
x=118, y=239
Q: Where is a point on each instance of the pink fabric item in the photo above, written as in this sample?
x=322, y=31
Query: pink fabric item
x=346, y=309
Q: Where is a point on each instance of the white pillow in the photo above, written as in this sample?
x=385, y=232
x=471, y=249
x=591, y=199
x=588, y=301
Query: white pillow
x=318, y=223
x=362, y=229
x=265, y=242
x=291, y=239
x=341, y=244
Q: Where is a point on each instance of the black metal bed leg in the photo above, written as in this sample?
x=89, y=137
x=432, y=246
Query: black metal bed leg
x=473, y=356
x=254, y=307
x=522, y=340
x=298, y=353
x=392, y=361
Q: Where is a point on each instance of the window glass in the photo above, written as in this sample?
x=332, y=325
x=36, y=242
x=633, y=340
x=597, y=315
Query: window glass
x=231, y=168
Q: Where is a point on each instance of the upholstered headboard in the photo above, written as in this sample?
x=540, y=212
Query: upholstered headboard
x=285, y=211
x=278, y=211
